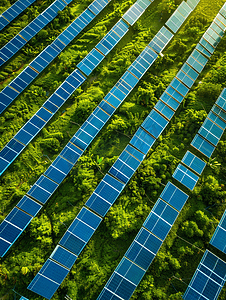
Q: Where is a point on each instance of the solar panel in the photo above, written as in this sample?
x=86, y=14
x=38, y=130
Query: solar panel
x=180, y=87
x=97, y=6
x=161, y=219
x=23, y=298
x=135, y=11
x=208, y=279
x=12, y=227
x=219, y=111
x=202, y=145
x=154, y=124
x=161, y=39
x=170, y=101
x=206, y=45
x=185, y=176
x=201, y=49
x=29, y=206
x=193, y=162
x=142, y=140
x=48, y=279
x=174, y=196
x=197, y=61
x=43, y=189
x=177, y=19
x=192, y=3
x=91, y=61
x=220, y=21
x=187, y=75
x=217, y=120
x=123, y=281
x=219, y=237
x=63, y=256
x=111, y=39
x=143, y=249
x=105, y=195
x=143, y=62
x=125, y=166
x=211, y=132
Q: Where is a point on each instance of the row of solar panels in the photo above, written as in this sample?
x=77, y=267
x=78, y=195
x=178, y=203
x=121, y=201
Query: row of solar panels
x=58, y=98
x=208, y=280
x=210, y=131
x=100, y=202
x=146, y=245
x=13, y=11
x=15, y=88
x=58, y=170
x=14, y=45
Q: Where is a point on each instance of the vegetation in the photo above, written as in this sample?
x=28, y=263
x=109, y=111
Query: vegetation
x=172, y=269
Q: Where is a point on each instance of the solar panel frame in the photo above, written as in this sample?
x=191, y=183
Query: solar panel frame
x=211, y=132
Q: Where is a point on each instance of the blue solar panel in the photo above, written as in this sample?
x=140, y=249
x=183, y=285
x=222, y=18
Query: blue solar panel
x=48, y=279
x=192, y=3
x=185, y=176
x=143, y=249
x=108, y=108
x=123, y=281
x=80, y=231
x=176, y=20
x=63, y=256
x=133, y=13
x=221, y=103
x=43, y=189
x=112, y=37
x=208, y=279
x=125, y=166
x=90, y=62
x=220, y=21
x=219, y=111
x=201, y=49
x=174, y=196
x=161, y=219
x=206, y=45
x=71, y=153
x=59, y=169
x=142, y=140
x=174, y=94
x=104, y=195
x=218, y=239
x=197, y=61
x=193, y=162
x=166, y=98
x=29, y=206
x=23, y=298
x=143, y=62
x=202, y=145
x=97, y=6
x=161, y=39
x=217, y=120
x=211, y=131
x=165, y=110
x=154, y=124
x=180, y=87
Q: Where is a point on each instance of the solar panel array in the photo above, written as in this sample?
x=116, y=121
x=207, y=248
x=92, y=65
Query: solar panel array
x=146, y=244
x=15, y=88
x=208, y=280
x=45, y=186
x=89, y=130
x=14, y=45
x=212, y=129
x=13, y=11
x=110, y=187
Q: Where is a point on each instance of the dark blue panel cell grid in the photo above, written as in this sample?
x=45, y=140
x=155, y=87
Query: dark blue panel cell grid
x=185, y=176
x=154, y=124
x=142, y=140
x=29, y=206
x=194, y=162
x=202, y=145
